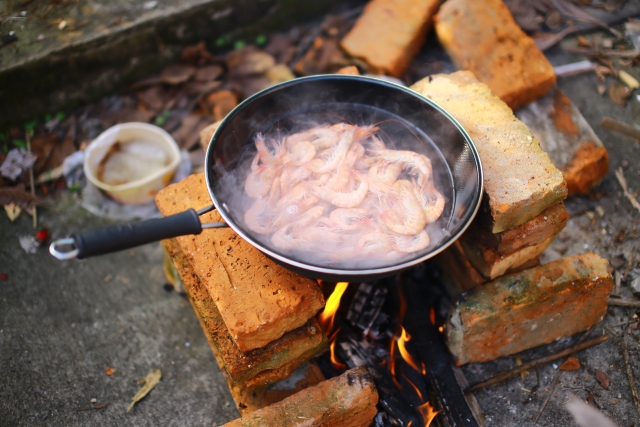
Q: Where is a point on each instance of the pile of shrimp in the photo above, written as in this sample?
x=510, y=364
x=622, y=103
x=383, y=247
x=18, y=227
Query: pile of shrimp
x=338, y=192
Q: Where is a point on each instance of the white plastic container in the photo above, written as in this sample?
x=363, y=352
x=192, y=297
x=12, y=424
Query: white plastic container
x=138, y=167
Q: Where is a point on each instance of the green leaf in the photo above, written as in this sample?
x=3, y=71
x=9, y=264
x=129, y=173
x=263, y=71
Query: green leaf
x=60, y=116
x=75, y=188
x=30, y=126
x=222, y=41
x=20, y=143
x=239, y=44
x=261, y=40
x=162, y=118
x=48, y=117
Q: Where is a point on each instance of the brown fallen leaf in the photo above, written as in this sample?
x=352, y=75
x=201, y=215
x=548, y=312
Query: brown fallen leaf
x=175, y=74
x=571, y=364
x=19, y=196
x=151, y=380
x=603, y=379
x=109, y=371
x=208, y=73
x=154, y=98
x=249, y=61
x=619, y=93
x=220, y=103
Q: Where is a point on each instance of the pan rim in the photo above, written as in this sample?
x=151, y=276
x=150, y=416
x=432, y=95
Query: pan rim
x=334, y=271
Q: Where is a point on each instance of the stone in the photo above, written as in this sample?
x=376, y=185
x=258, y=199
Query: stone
x=524, y=310
x=345, y=401
x=520, y=181
x=258, y=299
x=484, y=38
x=258, y=367
x=635, y=286
x=569, y=140
x=389, y=33
x=545, y=225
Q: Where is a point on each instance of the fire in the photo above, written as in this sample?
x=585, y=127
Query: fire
x=432, y=316
x=331, y=307
x=428, y=414
x=332, y=347
x=404, y=338
x=415, y=387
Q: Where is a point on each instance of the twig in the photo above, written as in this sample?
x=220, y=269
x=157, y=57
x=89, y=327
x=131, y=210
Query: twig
x=624, y=303
x=101, y=406
x=618, y=278
x=546, y=400
x=537, y=362
x=605, y=52
x=632, y=381
x=622, y=127
x=623, y=183
x=32, y=181
x=632, y=260
x=574, y=68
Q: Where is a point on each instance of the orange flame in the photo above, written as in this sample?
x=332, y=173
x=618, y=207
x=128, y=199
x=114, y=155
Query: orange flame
x=332, y=347
x=331, y=307
x=404, y=338
x=415, y=387
x=428, y=414
x=424, y=369
x=432, y=316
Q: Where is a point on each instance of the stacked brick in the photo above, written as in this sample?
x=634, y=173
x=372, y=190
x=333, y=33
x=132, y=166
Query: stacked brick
x=495, y=262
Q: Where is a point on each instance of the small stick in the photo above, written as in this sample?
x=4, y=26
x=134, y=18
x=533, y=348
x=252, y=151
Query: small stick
x=605, y=52
x=632, y=260
x=632, y=381
x=574, y=68
x=537, y=362
x=546, y=400
x=623, y=183
x=624, y=303
x=622, y=127
x=618, y=278
x=31, y=180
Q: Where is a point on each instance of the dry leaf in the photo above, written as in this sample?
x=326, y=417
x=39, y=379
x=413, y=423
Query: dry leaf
x=628, y=79
x=587, y=416
x=208, y=73
x=249, y=61
x=154, y=98
x=207, y=133
x=17, y=160
x=109, y=371
x=571, y=364
x=151, y=380
x=619, y=93
x=220, y=103
x=176, y=74
x=18, y=196
x=13, y=211
x=603, y=379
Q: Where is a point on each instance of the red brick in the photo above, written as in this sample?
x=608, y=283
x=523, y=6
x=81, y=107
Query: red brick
x=207, y=133
x=520, y=181
x=258, y=367
x=258, y=299
x=345, y=401
x=542, y=227
x=569, y=140
x=527, y=309
x=389, y=33
x=482, y=36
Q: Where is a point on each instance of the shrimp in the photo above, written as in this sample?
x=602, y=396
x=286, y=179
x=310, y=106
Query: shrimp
x=260, y=215
x=404, y=214
x=342, y=199
x=381, y=177
x=416, y=163
x=294, y=203
x=377, y=244
x=288, y=237
x=321, y=137
x=265, y=167
x=335, y=155
x=408, y=244
x=293, y=175
x=349, y=219
x=341, y=177
x=301, y=153
x=431, y=200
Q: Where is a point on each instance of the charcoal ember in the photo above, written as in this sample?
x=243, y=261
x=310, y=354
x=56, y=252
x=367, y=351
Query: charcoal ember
x=366, y=305
x=356, y=352
x=382, y=420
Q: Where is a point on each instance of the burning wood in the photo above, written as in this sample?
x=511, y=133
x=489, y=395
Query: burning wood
x=366, y=306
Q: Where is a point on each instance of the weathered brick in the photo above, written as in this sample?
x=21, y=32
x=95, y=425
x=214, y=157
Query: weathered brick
x=520, y=181
x=345, y=401
x=569, y=140
x=258, y=367
x=482, y=36
x=527, y=309
x=389, y=33
x=491, y=264
x=538, y=229
x=207, y=133
x=258, y=299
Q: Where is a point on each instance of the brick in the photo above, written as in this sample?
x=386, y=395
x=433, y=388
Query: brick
x=545, y=225
x=258, y=367
x=569, y=140
x=527, y=309
x=389, y=33
x=520, y=181
x=490, y=264
x=482, y=36
x=258, y=299
x=207, y=133
x=345, y=401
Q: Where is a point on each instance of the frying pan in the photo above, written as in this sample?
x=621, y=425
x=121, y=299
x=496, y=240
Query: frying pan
x=406, y=119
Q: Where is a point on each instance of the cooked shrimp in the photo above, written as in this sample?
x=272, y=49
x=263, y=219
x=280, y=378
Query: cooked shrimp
x=340, y=199
x=431, y=200
x=349, y=219
x=287, y=239
x=321, y=137
x=409, y=244
x=293, y=175
x=413, y=162
x=301, y=153
x=335, y=155
x=404, y=214
x=341, y=178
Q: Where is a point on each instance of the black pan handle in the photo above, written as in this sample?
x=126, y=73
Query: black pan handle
x=124, y=236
